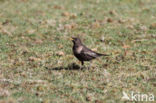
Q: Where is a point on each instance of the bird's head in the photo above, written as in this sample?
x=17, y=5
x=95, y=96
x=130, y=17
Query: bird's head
x=76, y=40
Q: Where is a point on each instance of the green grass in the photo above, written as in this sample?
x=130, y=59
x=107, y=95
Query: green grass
x=36, y=60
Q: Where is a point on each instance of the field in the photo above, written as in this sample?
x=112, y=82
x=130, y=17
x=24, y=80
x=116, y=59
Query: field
x=36, y=60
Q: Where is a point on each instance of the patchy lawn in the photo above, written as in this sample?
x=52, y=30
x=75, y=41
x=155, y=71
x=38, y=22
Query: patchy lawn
x=36, y=60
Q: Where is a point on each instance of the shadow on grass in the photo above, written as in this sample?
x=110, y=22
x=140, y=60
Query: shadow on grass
x=72, y=66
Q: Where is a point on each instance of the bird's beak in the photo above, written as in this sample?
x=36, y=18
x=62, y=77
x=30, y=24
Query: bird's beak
x=71, y=38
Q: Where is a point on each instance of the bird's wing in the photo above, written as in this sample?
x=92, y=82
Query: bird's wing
x=87, y=53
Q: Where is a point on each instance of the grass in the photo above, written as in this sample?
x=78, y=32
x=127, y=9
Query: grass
x=36, y=60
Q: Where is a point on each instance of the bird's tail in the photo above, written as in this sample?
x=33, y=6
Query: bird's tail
x=99, y=54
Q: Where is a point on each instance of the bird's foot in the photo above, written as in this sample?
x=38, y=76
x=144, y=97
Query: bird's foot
x=89, y=67
x=81, y=67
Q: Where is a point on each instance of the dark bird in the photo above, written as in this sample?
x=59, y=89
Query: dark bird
x=82, y=53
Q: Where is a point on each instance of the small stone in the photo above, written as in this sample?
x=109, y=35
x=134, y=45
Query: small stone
x=66, y=14
x=144, y=28
x=109, y=20
x=102, y=39
x=153, y=26
x=57, y=7
x=121, y=21
x=95, y=25
x=88, y=98
x=112, y=12
x=73, y=16
x=60, y=53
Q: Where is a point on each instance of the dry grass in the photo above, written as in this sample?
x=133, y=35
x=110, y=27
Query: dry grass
x=36, y=61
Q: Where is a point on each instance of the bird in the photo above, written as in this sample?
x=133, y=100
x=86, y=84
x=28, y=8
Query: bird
x=83, y=53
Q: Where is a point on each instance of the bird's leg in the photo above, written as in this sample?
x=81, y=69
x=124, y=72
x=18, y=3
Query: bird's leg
x=82, y=63
x=90, y=65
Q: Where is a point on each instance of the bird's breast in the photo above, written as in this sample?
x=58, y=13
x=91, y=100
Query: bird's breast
x=78, y=50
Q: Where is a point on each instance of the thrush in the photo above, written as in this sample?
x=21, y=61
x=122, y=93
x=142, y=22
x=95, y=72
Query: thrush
x=82, y=53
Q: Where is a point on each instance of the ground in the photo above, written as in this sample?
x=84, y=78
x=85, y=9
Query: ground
x=36, y=60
